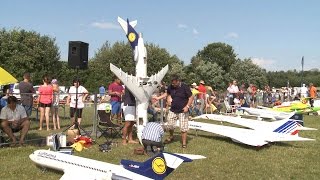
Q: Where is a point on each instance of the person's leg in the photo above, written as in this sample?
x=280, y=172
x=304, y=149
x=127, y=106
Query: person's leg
x=184, y=127
x=171, y=125
x=56, y=109
x=119, y=113
x=25, y=125
x=125, y=132
x=79, y=111
x=113, y=110
x=6, y=128
x=54, y=120
x=47, y=112
x=311, y=101
x=130, y=133
x=41, y=117
x=28, y=109
x=72, y=110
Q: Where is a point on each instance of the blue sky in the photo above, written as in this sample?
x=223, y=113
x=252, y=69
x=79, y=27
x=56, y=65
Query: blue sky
x=274, y=33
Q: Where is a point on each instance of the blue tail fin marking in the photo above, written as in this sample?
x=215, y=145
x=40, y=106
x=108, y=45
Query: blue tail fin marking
x=132, y=36
x=287, y=127
x=154, y=168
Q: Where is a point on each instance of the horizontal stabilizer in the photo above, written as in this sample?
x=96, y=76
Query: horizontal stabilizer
x=192, y=156
x=302, y=128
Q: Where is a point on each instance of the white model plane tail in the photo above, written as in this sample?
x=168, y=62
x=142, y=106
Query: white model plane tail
x=288, y=126
x=159, y=166
x=124, y=24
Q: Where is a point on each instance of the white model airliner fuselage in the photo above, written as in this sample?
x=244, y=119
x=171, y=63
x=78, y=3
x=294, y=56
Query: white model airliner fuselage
x=75, y=167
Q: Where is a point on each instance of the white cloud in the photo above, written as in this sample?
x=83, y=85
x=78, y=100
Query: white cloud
x=232, y=35
x=194, y=31
x=182, y=26
x=262, y=62
x=105, y=25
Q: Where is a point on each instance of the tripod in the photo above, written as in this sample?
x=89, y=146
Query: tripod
x=76, y=124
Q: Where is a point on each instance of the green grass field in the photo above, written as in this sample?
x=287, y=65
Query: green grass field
x=225, y=159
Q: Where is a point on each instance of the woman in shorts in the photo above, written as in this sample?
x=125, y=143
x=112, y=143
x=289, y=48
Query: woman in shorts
x=45, y=101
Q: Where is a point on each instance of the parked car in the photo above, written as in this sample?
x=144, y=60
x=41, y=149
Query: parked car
x=15, y=90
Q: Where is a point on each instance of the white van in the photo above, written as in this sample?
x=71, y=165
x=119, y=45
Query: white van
x=16, y=91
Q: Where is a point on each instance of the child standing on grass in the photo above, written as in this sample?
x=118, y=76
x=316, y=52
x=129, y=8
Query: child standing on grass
x=55, y=104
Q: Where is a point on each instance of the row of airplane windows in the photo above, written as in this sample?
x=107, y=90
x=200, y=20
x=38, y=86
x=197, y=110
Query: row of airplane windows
x=76, y=164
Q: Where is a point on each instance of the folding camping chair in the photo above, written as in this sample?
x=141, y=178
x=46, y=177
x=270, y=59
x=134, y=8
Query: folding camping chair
x=230, y=109
x=108, y=129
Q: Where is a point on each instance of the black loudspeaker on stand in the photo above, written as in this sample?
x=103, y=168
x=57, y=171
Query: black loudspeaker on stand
x=78, y=54
x=78, y=59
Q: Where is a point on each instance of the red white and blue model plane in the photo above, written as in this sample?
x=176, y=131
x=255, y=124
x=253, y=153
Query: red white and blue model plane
x=259, y=133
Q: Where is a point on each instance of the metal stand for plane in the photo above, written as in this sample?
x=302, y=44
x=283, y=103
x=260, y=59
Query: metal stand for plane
x=76, y=124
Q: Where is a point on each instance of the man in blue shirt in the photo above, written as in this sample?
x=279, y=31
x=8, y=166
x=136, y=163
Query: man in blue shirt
x=102, y=90
x=181, y=101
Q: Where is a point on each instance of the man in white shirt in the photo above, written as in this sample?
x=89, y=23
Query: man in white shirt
x=13, y=119
x=304, y=91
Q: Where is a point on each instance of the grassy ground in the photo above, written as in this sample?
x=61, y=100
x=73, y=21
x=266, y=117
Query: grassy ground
x=225, y=159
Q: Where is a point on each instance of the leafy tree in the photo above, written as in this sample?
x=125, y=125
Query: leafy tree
x=220, y=53
x=245, y=71
x=210, y=72
x=27, y=51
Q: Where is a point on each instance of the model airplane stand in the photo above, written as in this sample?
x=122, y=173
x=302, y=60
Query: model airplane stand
x=140, y=85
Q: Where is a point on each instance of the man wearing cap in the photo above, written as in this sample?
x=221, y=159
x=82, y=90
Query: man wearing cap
x=182, y=98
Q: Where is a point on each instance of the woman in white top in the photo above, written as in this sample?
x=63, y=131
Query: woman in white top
x=82, y=94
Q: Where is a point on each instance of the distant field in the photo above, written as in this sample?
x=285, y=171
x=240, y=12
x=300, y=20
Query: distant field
x=225, y=159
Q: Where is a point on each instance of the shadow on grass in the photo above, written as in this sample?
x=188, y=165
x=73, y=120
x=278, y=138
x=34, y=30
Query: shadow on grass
x=45, y=170
x=33, y=139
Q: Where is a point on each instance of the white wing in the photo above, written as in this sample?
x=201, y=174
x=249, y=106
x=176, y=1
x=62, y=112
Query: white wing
x=133, y=83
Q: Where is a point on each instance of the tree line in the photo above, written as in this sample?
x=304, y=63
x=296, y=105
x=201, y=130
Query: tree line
x=217, y=63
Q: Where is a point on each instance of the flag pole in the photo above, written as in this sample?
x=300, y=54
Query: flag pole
x=302, y=63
